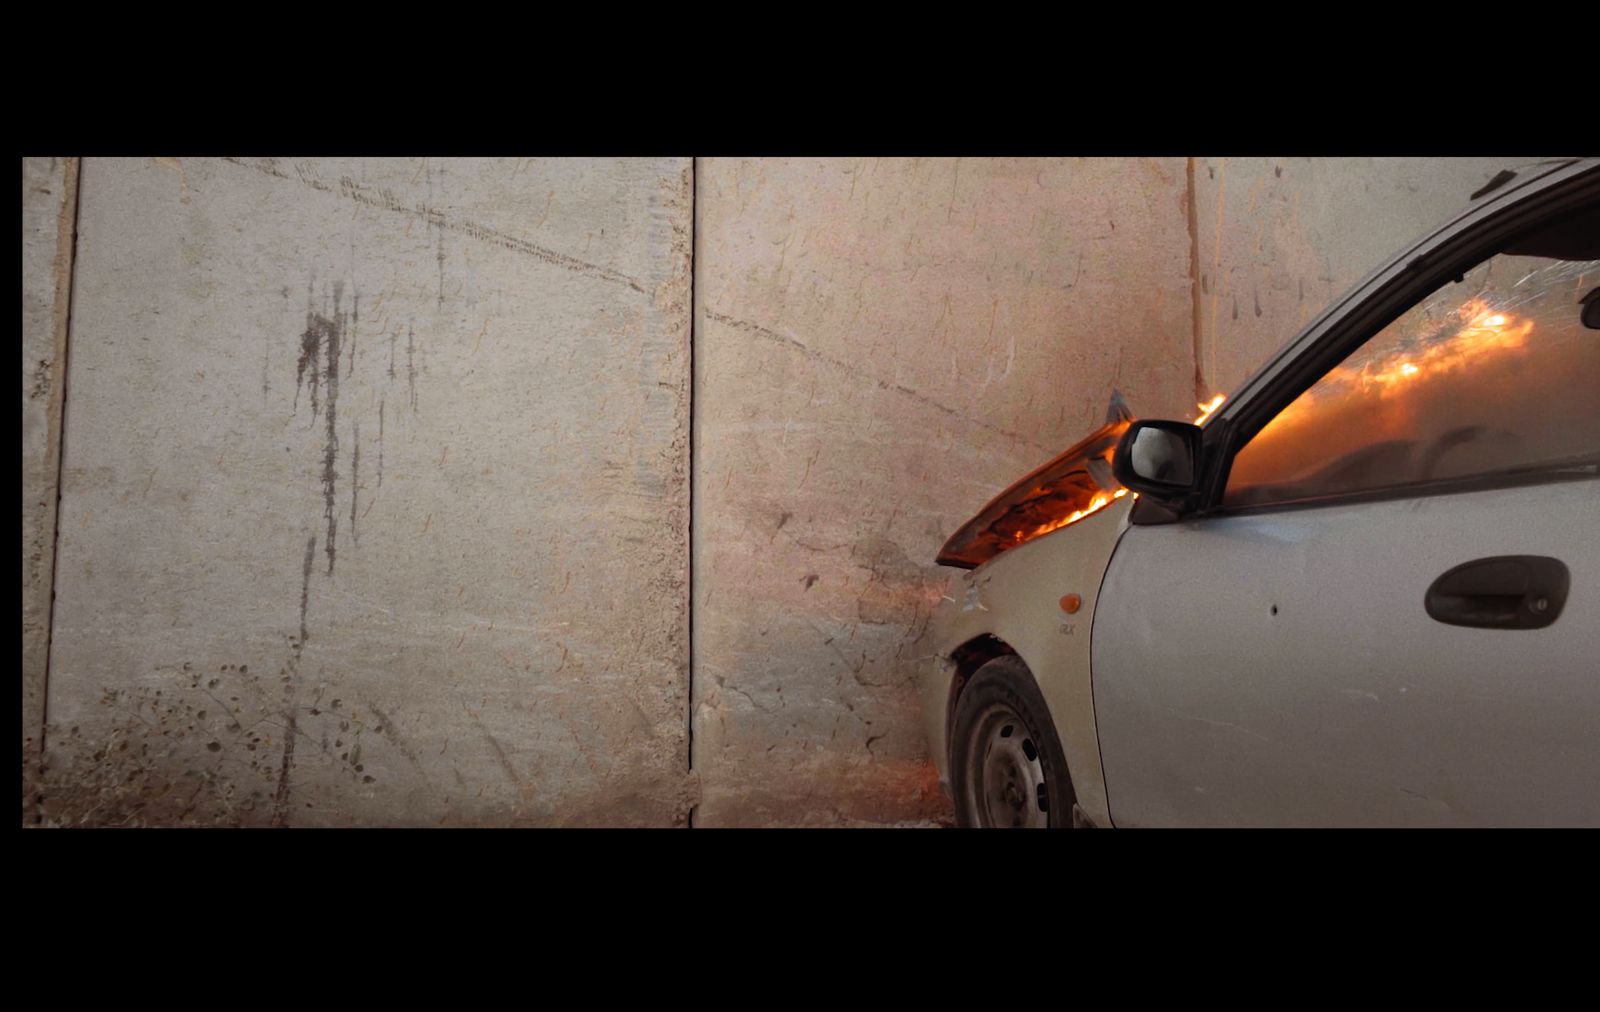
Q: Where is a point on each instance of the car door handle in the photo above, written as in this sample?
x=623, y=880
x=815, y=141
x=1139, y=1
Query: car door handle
x=1500, y=592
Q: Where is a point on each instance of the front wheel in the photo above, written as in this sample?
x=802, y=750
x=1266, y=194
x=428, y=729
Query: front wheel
x=1006, y=763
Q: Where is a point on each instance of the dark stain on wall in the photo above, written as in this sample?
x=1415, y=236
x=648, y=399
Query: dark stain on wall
x=411, y=363
x=318, y=368
x=355, y=322
x=330, y=476
x=355, y=478
x=439, y=225
x=280, y=801
x=380, y=439
x=897, y=589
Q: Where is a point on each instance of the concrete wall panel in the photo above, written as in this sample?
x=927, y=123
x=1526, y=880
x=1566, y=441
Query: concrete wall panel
x=49, y=204
x=375, y=494
x=881, y=346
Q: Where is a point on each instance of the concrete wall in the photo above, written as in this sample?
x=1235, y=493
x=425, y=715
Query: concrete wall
x=1278, y=239
x=375, y=495
x=881, y=345
x=376, y=474
x=49, y=203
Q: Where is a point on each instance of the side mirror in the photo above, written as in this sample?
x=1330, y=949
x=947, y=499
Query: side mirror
x=1159, y=459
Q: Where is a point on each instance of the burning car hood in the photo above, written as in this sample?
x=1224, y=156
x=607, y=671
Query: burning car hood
x=1071, y=486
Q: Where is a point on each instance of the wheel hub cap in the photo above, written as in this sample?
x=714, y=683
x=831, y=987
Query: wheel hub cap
x=1008, y=783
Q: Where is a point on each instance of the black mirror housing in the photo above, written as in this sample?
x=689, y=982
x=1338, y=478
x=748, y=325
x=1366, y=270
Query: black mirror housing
x=1159, y=459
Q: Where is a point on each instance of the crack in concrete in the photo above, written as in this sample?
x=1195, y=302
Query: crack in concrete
x=812, y=353
x=386, y=200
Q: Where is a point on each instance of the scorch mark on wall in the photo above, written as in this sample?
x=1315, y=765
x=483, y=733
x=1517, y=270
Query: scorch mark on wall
x=355, y=322
x=318, y=364
x=290, y=728
x=439, y=240
x=380, y=440
x=411, y=363
x=355, y=479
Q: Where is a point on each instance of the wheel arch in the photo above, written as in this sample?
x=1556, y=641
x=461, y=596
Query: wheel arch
x=968, y=658
x=1020, y=692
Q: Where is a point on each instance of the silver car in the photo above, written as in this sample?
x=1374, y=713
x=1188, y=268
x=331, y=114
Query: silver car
x=1365, y=591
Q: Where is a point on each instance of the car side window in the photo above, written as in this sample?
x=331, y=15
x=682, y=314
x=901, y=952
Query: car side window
x=1492, y=374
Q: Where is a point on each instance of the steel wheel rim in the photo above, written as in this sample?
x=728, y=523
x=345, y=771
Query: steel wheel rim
x=1005, y=772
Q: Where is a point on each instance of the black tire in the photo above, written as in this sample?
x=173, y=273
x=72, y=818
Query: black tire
x=1007, y=768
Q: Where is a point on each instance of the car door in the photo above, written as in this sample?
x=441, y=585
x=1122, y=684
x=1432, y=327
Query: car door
x=1386, y=611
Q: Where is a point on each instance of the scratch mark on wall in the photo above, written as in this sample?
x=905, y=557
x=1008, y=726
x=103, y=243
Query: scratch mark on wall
x=310, y=352
x=330, y=475
x=286, y=767
x=355, y=322
x=388, y=730
x=355, y=480
x=318, y=367
x=380, y=442
x=811, y=353
x=411, y=363
x=500, y=753
x=386, y=200
x=439, y=238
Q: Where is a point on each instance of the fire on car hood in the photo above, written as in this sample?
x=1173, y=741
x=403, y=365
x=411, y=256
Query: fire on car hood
x=1066, y=489
x=1071, y=486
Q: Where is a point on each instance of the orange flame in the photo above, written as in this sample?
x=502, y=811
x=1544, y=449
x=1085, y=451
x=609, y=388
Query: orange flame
x=1363, y=403
x=1484, y=329
x=1098, y=503
x=1208, y=407
x=1103, y=500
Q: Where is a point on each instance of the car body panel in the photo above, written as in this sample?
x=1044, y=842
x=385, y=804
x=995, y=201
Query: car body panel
x=1016, y=597
x=1287, y=672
